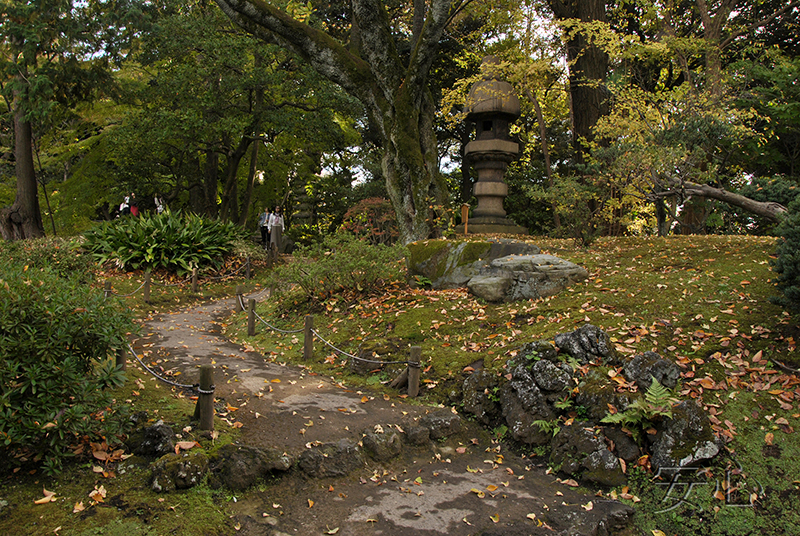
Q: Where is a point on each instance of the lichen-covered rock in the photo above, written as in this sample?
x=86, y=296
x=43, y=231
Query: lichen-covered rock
x=452, y=263
x=586, y=344
x=331, y=459
x=550, y=377
x=417, y=435
x=645, y=367
x=537, y=350
x=441, y=424
x=153, y=441
x=624, y=446
x=178, y=471
x=683, y=440
x=522, y=404
x=239, y=467
x=580, y=451
x=382, y=446
x=596, y=393
x=491, y=287
x=480, y=397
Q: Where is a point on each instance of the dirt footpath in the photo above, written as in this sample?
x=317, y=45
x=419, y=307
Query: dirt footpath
x=464, y=485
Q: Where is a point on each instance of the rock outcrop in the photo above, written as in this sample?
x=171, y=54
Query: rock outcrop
x=495, y=270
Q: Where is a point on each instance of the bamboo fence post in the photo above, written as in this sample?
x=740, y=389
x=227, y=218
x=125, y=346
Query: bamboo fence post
x=414, y=370
x=239, y=305
x=204, y=410
x=194, y=280
x=107, y=289
x=251, y=317
x=122, y=359
x=308, y=338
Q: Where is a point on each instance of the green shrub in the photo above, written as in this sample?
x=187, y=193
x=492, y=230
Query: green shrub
x=171, y=240
x=787, y=263
x=62, y=257
x=338, y=266
x=57, y=338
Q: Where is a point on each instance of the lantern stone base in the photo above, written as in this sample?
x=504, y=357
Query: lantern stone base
x=491, y=225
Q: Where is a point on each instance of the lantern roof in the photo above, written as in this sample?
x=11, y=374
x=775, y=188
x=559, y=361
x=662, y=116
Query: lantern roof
x=492, y=96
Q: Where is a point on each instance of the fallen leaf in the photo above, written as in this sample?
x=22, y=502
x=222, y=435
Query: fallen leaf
x=185, y=445
x=495, y=518
x=49, y=496
x=769, y=438
x=588, y=506
x=331, y=531
x=310, y=503
x=478, y=492
x=78, y=507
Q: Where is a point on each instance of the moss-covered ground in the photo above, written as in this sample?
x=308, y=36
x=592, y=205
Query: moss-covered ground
x=700, y=301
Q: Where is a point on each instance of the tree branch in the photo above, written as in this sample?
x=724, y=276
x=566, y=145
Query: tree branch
x=758, y=24
x=325, y=54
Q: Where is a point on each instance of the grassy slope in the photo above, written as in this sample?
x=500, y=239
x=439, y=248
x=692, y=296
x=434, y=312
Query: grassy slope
x=700, y=301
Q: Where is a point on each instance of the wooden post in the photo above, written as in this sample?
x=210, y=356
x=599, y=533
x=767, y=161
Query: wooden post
x=122, y=359
x=194, y=280
x=465, y=215
x=413, y=371
x=239, y=305
x=251, y=317
x=247, y=271
x=308, y=338
x=107, y=289
x=147, y=286
x=204, y=409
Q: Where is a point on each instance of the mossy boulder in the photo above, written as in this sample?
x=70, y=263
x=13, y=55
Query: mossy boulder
x=178, y=471
x=452, y=263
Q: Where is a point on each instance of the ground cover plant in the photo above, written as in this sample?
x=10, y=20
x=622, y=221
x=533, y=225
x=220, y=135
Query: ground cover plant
x=175, y=241
x=703, y=302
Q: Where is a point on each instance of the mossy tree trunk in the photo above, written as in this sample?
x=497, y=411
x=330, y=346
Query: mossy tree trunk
x=23, y=219
x=394, y=90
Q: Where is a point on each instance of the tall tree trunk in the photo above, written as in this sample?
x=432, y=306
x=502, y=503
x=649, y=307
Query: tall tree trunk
x=23, y=219
x=244, y=213
x=588, y=69
x=211, y=183
x=393, y=90
x=545, y=149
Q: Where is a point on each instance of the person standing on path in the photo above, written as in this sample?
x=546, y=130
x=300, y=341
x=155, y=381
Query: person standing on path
x=263, y=226
x=276, y=229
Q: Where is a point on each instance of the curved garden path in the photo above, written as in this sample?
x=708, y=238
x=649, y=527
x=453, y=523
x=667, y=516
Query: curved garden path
x=426, y=490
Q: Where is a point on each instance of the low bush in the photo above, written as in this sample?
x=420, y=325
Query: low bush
x=58, y=337
x=64, y=258
x=171, y=240
x=339, y=265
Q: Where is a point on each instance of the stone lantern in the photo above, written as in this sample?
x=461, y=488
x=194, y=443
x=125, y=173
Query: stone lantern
x=492, y=106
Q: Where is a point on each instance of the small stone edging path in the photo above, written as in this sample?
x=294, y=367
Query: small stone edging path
x=361, y=463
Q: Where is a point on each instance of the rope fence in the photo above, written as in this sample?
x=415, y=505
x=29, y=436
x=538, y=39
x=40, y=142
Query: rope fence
x=194, y=279
x=205, y=388
x=409, y=377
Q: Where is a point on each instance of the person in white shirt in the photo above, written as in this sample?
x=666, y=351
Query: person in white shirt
x=276, y=228
x=263, y=226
